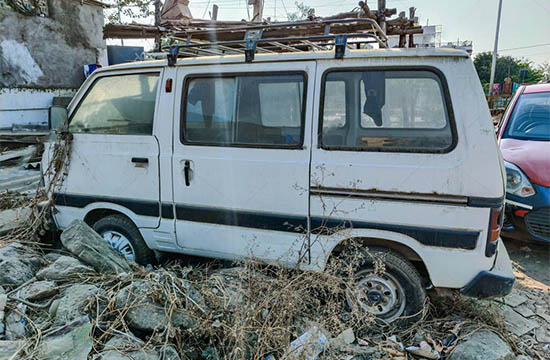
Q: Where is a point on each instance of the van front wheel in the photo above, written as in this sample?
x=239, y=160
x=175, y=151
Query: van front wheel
x=123, y=236
x=388, y=286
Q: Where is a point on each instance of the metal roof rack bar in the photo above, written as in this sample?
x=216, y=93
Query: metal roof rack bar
x=296, y=36
x=289, y=25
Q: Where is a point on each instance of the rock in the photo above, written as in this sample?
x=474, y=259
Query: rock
x=540, y=310
x=17, y=265
x=168, y=352
x=71, y=342
x=51, y=257
x=15, y=323
x=210, y=353
x=144, y=314
x=72, y=305
x=37, y=291
x=88, y=246
x=542, y=335
x=483, y=345
x=125, y=348
x=514, y=299
x=523, y=357
x=3, y=301
x=357, y=352
x=419, y=336
x=11, y=219
x=131, y=348
x=516, y=323
x=229, y=284
x=2, y=327
x=524, y=310
x=62, y=268
x=9, y=348
x=346, y=337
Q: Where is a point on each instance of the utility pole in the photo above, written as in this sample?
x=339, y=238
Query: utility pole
x=495, y=49
x=214, y=15
x=119, y=19
x=157, y=24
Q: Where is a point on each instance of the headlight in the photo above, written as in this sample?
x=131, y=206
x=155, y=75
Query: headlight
x=516, y=182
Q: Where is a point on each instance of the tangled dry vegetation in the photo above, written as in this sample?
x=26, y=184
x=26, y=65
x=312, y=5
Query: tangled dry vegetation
x=241, y=312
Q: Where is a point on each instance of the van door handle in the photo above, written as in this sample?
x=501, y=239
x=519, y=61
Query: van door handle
x=186, y=170
x=140, y=161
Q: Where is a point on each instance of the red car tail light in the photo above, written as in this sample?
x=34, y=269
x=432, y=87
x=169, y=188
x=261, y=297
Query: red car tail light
x=495, y=225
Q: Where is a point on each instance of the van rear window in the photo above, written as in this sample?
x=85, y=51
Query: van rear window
x=244, y=110
x=378, y=110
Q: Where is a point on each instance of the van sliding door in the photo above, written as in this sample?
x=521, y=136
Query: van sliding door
x=241, y=160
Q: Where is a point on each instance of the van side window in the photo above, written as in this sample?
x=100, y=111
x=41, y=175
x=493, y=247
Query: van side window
x=120, y=104
x=244, y=110
x=397, y=110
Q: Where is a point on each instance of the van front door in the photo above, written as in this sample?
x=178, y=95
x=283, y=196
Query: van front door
x=114, y=155
x=241, y=160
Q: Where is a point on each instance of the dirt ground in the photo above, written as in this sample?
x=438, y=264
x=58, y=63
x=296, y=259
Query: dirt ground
x=531, y=294
x=531, y=263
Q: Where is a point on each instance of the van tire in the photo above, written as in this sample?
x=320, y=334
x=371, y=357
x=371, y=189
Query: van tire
x=120, y=224
x=396, y=269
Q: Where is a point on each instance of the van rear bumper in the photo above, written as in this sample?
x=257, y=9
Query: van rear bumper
x=493, y=283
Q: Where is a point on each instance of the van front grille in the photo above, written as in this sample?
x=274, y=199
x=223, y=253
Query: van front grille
x=538, y=223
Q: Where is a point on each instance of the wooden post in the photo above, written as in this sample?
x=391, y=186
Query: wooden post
x=402, y=40
x=382, y=14
x=412, y=10
x=258, y=11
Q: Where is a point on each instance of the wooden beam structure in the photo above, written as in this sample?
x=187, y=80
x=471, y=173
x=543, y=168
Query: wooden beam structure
x=203, y=30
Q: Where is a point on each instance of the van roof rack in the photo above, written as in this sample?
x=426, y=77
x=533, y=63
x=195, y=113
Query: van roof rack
x=297, y=36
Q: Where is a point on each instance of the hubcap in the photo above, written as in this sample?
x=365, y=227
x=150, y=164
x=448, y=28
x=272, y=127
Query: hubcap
x=378, y=294
x=120, y=243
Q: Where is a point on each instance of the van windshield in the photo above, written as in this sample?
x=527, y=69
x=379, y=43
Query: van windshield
x=531, y=118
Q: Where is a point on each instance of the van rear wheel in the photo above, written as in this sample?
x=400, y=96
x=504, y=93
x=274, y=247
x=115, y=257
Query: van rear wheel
x=123, y=236
x=388, y=286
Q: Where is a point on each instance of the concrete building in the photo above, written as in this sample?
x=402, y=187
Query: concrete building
x=431, y=37
x=44, y=45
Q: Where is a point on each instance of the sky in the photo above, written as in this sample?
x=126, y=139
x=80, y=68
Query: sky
x=524, y=24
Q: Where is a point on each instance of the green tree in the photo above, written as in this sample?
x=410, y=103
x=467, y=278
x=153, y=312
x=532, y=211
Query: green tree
x=545, y=69
x=133, y=9
x=304, y=12
x=506, y=66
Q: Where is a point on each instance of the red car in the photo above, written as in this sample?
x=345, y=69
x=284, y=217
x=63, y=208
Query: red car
x=524, y=139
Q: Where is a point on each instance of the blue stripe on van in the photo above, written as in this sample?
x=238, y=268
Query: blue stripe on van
x=449, y=238
x=248, y=219
x=139, y=207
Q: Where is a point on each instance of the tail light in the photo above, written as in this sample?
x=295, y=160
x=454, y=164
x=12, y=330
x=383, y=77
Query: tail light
x=495, y=225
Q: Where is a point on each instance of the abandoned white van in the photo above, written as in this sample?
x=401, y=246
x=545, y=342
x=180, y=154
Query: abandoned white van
x=286, y=156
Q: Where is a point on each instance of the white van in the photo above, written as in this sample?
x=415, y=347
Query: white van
x=286, y=157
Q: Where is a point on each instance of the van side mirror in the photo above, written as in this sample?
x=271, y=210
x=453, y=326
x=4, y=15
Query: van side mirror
x=58, y=117
x=58, y=114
